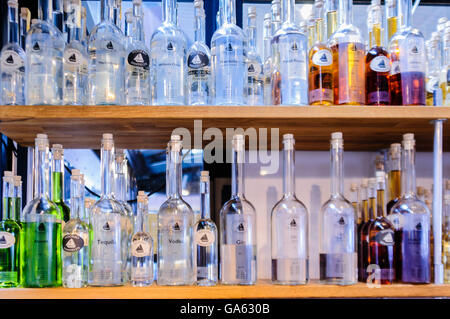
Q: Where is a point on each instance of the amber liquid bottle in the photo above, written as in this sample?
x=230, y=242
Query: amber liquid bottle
x=394, y=176
x=364, y=211
x=391, y=14
x=372, y=211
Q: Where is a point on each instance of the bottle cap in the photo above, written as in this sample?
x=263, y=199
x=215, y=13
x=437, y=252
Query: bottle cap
x=372, y=182
x=408, y=137
x=267, y=16
x=34, y=21
x=408, y=141
x=288, y=141
x=364, y=182
x=238, y=142
x=175, y=138
x=76, y=172
x=57, y=147
x=42, y=136
x=140, y=193
x=336, y=140
x=204, y=176
x=17, y=178
x=8, y=174
x=137, y=2
x=353, y=186
x=142, y=197
x=251, y=11
x=336, y=135
x=13, y=3
x=107, y=136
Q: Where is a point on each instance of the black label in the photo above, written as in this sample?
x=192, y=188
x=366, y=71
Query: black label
x=229, y=47
x=72, y=243
x=10, y=60
x=198, y=60
x=139, y=58
x=73, y=58
x=110, y=46
x=170, y=46
x=36, y=47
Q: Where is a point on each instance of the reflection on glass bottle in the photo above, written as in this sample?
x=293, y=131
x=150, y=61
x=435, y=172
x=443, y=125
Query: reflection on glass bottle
x=57, y=193
x=364, y=212
x=289, y=228
x=394, y=175
x=433, y=68
x=176, y=264
x=337, y=245
x=364, y=235
x=238, y=227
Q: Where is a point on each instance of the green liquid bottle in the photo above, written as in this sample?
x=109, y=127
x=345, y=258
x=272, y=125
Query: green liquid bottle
x=57, y=193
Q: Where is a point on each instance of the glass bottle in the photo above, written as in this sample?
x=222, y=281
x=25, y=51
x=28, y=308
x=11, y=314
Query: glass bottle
x=372, y=213
x=394, y=175
x=337, y=245
x=267, y=67
x=12, y=58
x=320, y=66
x=57, y=182
x=168, y=48
x=75, y=58
x=364, y=212
x=24, y=26
x=446, y=236
x=137, y=70
x=176, y=265
x=76, y=237
x=353, y=197
x=275, y=76
x=205, y=238
x=17, y=199
x=107, y=221
x=348, y=50
x=238, y=226
x=408, y=61
x=44, y=63
x=10, y=239
x=331, y=9
x=433, y=67
x=107, y=59
x=41, y=223
x=411, y=219
x=229, y=59
x=377, y=62
x=445, y=70
x=141, y=247
x=391, y=13
x=199, y=62
x=84, y=33
x=291, y=48
x=289, y=227
x=117, y=13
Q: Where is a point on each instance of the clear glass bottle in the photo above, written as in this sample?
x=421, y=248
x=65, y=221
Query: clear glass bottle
x=338, y=226
x=408, y=61
x=176, y=265
x=275, y=76
x=57, y=182
x=331, y=9
x=84, y=33
x=364, y=272
x=364, y=212
x=289, y=227
x=411, y=219
x=199, y=62
x=12, y=58
x=41, y=221
x=44, y=63
x=433, y=67
x=445, y=69
x=24, y=26
x=168, y=48
x=348, y=49
x=394, y=175
x=391, y=14
x=255, y=84
x=17, y=199
x=106, y=49
x=137, y=70
x=117, y=13
x=141, y=247
x=267, y=67
x=107, y=221
x=76, y=238
x=75, y=58
x=291, y=47
x=206, y=239
x=229, y=59
x=238, y=227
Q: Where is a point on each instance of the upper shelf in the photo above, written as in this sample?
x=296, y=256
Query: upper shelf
x=365, y=128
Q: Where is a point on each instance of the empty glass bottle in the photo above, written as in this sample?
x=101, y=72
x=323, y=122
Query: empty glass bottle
x=267, y=59
x=58, y=16
x=57, y=182
x=433, y=67
x=289, y=227
x=238, y=227
x=24, y=25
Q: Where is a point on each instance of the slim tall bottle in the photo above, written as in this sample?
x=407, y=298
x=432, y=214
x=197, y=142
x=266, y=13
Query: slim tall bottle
x=168, y=48
x=275, y=76
x=107, y=59
x=394, y=176
x=267, y=58
x=199, y=62
x=117, y=13
x=391, y=14
x=176, y=265
x=289, y=228
x=255, y=84
x=411, y=219
x=238, y=227
x=331, y=9
x=337, y=245
x=347, y=46
x=24, y=26
x=57, y=182
x=17, y=199
x=42, y=227
x=84, y=33
x=372, y=213
x=433, y=67
x=206, y=239
x=354, y=199
x=408, y=61
x=446, y=235
x=44, y=64
x=12, y=58
x=444, y=80
x=364, y=211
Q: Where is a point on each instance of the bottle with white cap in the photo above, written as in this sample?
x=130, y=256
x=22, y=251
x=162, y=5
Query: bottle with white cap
x=57, y=181
x=267, y=58
x=289, y=222
x=238, y=226
x=42, y=226
x=337, y=245
x=176, y=263
x=394, y=175
x=353, y=197
x=364, y=271
x=364, y=214
x=411, y=219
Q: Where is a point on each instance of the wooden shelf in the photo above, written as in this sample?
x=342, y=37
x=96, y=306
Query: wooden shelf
x=364, y=127
x=262, y=290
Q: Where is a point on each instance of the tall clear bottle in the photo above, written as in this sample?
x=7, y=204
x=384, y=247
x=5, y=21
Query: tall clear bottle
x=444, y=80
x=57, y=182
x=76, y=237
x=433, y=67
x=267, y=59
x=168, y=48
x=107, y=221
x=408, y=61
x=41, y=222
x=206, y=239
x=364, y=212
x=75, y=58
x=338, y=226
x=411, y=219
x=255, y=83
x=12, y=58
x=238, y=227
x=348, y=49
x=446, y=234
x=24, y=26
x=289, y=227
x=394, y=175
x=44, y=63
x=106, y=50
x=176, y=265
x=291, y=47
x=199, y=62
x=229, y=59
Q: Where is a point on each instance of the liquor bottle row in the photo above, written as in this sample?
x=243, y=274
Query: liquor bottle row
x=322, y=62
x=108, y=245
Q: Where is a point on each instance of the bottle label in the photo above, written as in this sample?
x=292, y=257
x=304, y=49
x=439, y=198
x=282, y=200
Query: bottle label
x=139, y=58
x=140, y=248
x=380, y=64
x=6, y=240
x=109, y=45
x=322, y=58
x=385, y=237
x=378, y=96
x=12, y=61
x=321, y=95
x=204, y=237
x=292, y=59
x=415, y=55
x=351, y=73
x=397, y=220
x=72, y=243
x=432, y=84
x=73, y=57
x=36, y=47
x=395, y=69
x=197, y=60
x=253, y=69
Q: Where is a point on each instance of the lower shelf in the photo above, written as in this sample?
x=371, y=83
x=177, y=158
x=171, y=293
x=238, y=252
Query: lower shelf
x=262, y=290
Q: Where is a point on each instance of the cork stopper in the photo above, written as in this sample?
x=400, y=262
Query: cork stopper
x=238, y=142
x=176, y=143
x=142, y=197
x=204, y=176
x=408, y=141
x=365, y=182
x=337, y=140
x=288, y=141
x=41, y=142
x=107, y=141
x=353, y=186
x=251, y=11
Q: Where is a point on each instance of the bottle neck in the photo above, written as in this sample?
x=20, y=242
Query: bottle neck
x=41, y=182
x=77, y=200
x=142, y=207
x=289, y=172
x=107, y=10
x=107, y=172
x=408, y=173
x=204, y=200
x=372, y=194
x=337, y=180
x=117, y=13
x=57, y=180
x=288, y=11
x=267, y=39
x=320, y=30
x=120, y=190
x=228, y=11
x=58, y=15
x=345, y=12
x=45, y=10
x=404, y=8
x=13, y=24
x=376, y=35
x=434, y=60
x=174, y=173
x=237, y=175
x=251, y=33
x=364, y=204
x=138, y=28
x=74, y=23
x=199, y=25
x=381, y=207
x=170, y=11
x=23, y=32
x=8, y=210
